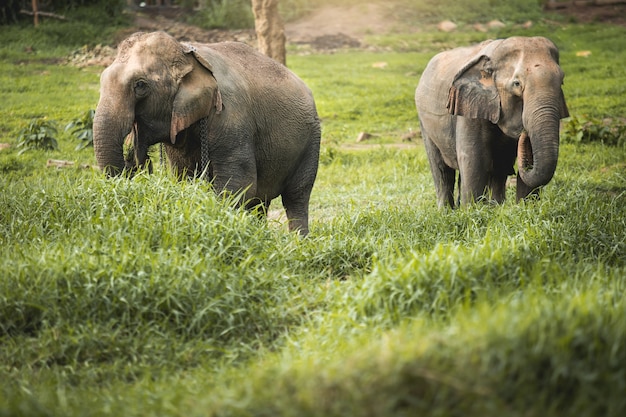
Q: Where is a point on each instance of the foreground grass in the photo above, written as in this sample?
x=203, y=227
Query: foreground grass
x=152, y=297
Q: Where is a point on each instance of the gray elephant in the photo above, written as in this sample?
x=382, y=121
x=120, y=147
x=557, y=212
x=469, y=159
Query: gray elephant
x=223, y=110
x=481, y=106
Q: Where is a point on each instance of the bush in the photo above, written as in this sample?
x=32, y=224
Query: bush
x=39, y=134
x=231, y=14
x=10, y=9
x=585, y=129
x=82, y=129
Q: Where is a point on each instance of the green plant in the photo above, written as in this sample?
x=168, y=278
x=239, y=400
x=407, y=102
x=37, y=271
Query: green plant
x=585, y=129
x=82, y=129
x=232, y=14
x=39, y=134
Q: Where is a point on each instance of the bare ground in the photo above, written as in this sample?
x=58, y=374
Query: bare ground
x=326, y=29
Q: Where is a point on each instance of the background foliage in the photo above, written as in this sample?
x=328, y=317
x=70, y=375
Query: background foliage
x=237, y=13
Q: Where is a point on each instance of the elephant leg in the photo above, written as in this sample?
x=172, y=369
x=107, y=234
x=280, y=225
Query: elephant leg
x=297, y=210
x=503, y=151
x=443, y=175
x=497, y=188
x=297, y=193
x=258, y=207
x=233, y=172
x=475, y=181
x=473, y=171
x=241, y=185
x=474, y=159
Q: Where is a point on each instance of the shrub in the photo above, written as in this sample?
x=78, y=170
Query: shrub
x=82, y=129
x=232, y=14
x=39, y=134
x=584, y=129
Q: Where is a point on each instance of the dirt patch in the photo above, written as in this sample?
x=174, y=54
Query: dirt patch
x=333, y=26
x=328, y=28
x=586, y=13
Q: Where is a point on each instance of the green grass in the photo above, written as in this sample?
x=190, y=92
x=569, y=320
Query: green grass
x=153, y=297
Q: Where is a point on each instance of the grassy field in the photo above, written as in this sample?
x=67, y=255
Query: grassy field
x=151, y=297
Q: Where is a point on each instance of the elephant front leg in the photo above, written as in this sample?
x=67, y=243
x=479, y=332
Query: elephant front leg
x=237, y=179
x=474, y=157
x=473, y=169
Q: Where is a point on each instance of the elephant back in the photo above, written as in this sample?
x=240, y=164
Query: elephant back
x=244, y=74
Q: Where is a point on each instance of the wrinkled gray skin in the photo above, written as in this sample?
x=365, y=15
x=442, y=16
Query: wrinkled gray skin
x=263, y=134
x=481, y=106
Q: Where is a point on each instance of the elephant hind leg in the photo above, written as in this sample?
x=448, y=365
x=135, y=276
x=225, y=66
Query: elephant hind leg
x=443, y=176
x=296, y=202
x=297, y=192
x=297, y=211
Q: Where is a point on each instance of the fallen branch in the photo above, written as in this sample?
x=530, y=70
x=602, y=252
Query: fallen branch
x=58, y=163
x=45, y=14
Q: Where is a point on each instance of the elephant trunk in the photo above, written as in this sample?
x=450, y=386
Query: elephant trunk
x=111, y=125
x=538, y=149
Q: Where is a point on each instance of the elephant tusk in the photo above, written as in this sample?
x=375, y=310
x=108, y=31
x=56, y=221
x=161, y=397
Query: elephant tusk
x=524, y=152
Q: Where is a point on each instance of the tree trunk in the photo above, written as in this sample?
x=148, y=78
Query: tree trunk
x=270, y=29
x=35, y=13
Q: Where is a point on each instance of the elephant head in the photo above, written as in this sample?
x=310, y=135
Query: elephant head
x=155, y=88
x=516, y=84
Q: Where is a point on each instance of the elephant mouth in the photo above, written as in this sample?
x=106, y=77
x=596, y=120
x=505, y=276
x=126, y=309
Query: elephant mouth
x=524, y=152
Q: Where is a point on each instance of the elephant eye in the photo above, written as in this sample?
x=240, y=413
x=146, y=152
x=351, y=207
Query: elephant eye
x=141, y=88
x=517, y=84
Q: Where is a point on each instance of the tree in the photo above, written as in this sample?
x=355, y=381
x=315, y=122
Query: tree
x=270, y=29
x=36, y=13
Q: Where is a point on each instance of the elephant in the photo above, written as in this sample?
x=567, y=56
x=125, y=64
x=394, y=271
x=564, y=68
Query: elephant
x=480, y=107
x=222, y=111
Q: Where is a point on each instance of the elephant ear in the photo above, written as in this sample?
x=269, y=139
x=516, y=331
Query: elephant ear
x=473, y=92
x=197, y=93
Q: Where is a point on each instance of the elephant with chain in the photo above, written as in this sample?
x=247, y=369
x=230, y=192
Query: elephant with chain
x=482, y=106
x=222, y=110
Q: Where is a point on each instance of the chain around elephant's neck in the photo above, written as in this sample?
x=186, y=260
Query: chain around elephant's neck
x=204, y=146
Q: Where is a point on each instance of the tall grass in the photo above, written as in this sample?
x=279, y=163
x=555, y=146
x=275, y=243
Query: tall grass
x=110, y=284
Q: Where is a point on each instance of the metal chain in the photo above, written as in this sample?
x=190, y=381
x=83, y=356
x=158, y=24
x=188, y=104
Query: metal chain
x=204, y=146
